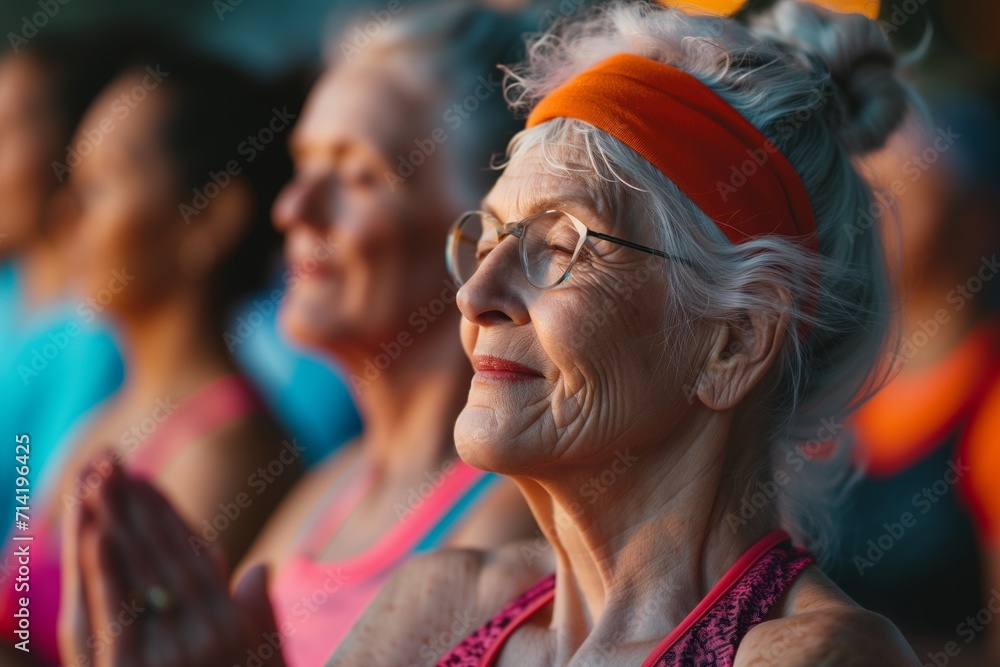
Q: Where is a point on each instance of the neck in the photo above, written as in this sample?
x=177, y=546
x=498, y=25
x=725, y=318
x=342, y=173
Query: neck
x=43, y=274
x=172, y=348
x=648, y=528
x=410, y=407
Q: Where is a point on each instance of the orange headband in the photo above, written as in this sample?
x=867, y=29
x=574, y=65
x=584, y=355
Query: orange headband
x=869, y=8
x=724, y=164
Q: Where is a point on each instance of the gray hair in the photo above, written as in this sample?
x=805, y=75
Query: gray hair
x=454, y=48
x=824, y=88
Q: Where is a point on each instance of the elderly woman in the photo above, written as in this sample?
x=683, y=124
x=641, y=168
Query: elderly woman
x=686, y=296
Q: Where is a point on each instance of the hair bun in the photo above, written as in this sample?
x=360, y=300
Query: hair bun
x=871, y=98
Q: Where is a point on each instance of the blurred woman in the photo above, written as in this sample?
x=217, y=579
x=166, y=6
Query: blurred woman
x=927, y=507
x=395, y=140
x=55, y=364
x=171, y=183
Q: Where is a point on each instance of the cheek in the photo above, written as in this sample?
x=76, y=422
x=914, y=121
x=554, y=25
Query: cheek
x=25, y=183
x=469, y=333
x=608, y=346
x=131, y=232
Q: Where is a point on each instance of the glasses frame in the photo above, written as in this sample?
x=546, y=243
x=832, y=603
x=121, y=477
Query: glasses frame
x=517, y=229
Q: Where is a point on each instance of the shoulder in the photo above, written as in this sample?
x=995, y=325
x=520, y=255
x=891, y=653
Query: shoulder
x=251, y=443
x=434, y=601
x=817, y=624
x=478, y=580
x=828, y=637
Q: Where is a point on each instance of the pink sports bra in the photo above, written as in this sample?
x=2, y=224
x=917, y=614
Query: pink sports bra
x=316, y=603
x=220, y=401
x=707, y=637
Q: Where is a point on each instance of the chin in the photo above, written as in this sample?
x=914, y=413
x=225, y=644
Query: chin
x=303, y=327
x=487, y=445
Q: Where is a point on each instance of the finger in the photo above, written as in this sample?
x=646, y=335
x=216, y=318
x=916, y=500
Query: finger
x=217, y=559
x=74, y=621
x=174, y=537
x=206, y=618
x=103, y=593
x=251, y=595
x=110, y=502
x=143, y=570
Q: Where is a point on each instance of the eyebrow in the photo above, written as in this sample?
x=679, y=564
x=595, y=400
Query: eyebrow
x=540, y=204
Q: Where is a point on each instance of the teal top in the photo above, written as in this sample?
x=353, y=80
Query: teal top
x=56, y=364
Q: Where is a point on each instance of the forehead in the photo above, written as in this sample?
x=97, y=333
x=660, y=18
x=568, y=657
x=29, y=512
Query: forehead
x=21, y=83
x=128, y=117
x=129, y=103
x=360, y=102
x=529, y=184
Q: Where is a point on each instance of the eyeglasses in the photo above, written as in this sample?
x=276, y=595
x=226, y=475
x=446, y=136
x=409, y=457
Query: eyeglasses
x=549, y=245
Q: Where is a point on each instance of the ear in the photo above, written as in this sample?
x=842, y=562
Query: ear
x=743, y=350
x=218, y=228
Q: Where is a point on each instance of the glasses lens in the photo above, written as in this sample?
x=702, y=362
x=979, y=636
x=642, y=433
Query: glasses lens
x=550, y=243
x=471, y=240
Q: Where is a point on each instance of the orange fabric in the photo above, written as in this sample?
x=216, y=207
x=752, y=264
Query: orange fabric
x=720, y=7
x=911, y=415
x=696, y=139
x=869, y=8
x=980, y=453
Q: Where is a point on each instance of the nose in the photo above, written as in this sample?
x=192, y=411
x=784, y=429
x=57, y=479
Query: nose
x=497, y=292
x=306, y=199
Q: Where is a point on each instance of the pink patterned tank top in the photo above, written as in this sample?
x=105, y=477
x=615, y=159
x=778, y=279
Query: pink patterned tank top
x=707, y=637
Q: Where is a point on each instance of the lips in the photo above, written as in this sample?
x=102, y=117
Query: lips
x=306, y=257
x=496, y=369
